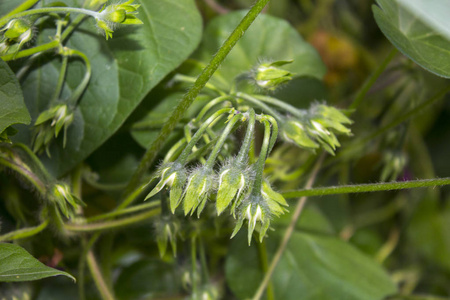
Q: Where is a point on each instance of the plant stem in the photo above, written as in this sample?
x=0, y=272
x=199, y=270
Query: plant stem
x=22, y=7
x=47, y=10
x=260, y=104
x=116, y=213
x=364, y=188
x=105, y=293
x=216, y=150
x=281, y=104
x=371, y=80
x=113, y=224
x=84, y=82
x=242, y=157
x=288, y=232
x=23, y=233
x=190, y=96
x=262, y=248
x=262, y=159
x=27, y=52
x=194, y=266
x=189, y=79
x=60, y=82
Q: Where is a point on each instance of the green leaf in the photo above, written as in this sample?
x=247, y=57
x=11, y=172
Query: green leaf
x=12, y=106
x=413, y=37
x=315, y=266
x=125, y=68
x=269, y=38
x=433, y=13
x=16, y=264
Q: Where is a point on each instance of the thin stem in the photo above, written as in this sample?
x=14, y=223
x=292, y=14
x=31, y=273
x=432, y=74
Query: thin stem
x=216, y=150
x=281, y=104
x=22, y=7
x=113, y=224
x=131, y=197
x=193, y=92
x=371, y=80
x=262, y=248
x=242, y=156
x=27, y=52
x=84, y=82
x=262, y=159
x=364, y=188
x=102, y=287
x=23, y=233
x=210, y=104
x=116, y=213
x=47, y=10
x=203, y=260
x=60, y=83
x=288, y=232
x=189, y=79
x=25, y=172
x=260, y=104
x=194, y=266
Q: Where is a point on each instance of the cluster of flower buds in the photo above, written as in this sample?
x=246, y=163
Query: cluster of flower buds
x=16, y=33
x=316, y=127
x=114, y=14
x=269, y=76
x=394, y=163
x=61, y=195
x=239, y=185
x=48, y=126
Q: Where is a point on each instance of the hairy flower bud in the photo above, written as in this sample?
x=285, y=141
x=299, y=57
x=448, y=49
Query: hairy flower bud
x=198, y=188
x=233, y=181
x=167, y=230
x=61, y=195
x=270, y=76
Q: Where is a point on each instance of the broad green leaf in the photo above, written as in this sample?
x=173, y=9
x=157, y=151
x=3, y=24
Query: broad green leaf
x=125, y=68
x=314, y=265
x=12, y=106
x=413, y=37
x=269, y=38
x=434, y=13
x=16, y=264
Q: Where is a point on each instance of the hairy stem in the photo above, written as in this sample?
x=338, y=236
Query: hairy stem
x=364, y=188
x=190, y=96
x=23, y=233
x=102, y=287
x=22, y=7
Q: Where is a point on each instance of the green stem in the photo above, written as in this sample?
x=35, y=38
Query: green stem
x=216, y=150
x=116, y=213
x=260, y=104
x=27, y=173
x=85, y=81
x=262, y=159
x=242, y=157
x=189, y=79
x=60, y=83
x=364, y=188
x=175, y=148
x=371, y=80
x=262, y=249
x=193, y=92
x=47, y=10
x=102, y=287
x=22, y=7
x=274, y=136
x=288, y=232
x=281, y=104
x=27, y=52
x=23, y=233
x=194, y=266
x=90, y=227
x=210, y=104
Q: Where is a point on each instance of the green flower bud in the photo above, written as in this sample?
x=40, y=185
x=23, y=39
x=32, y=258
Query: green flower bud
x=174, y=176
x=197, y=190
x=317, y=126
x=49, y=124
x=62, y=195
x=294, y=131
x=16, y=28
x=106, y=28
x=167, y=230
x=113, y=14
x=232, y=183
x=269, y=76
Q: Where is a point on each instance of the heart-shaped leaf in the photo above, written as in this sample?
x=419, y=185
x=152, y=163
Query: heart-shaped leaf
x=124, y=69
x=414, y=38
x=16, y=264
x=433, y=13
x=12, y=107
